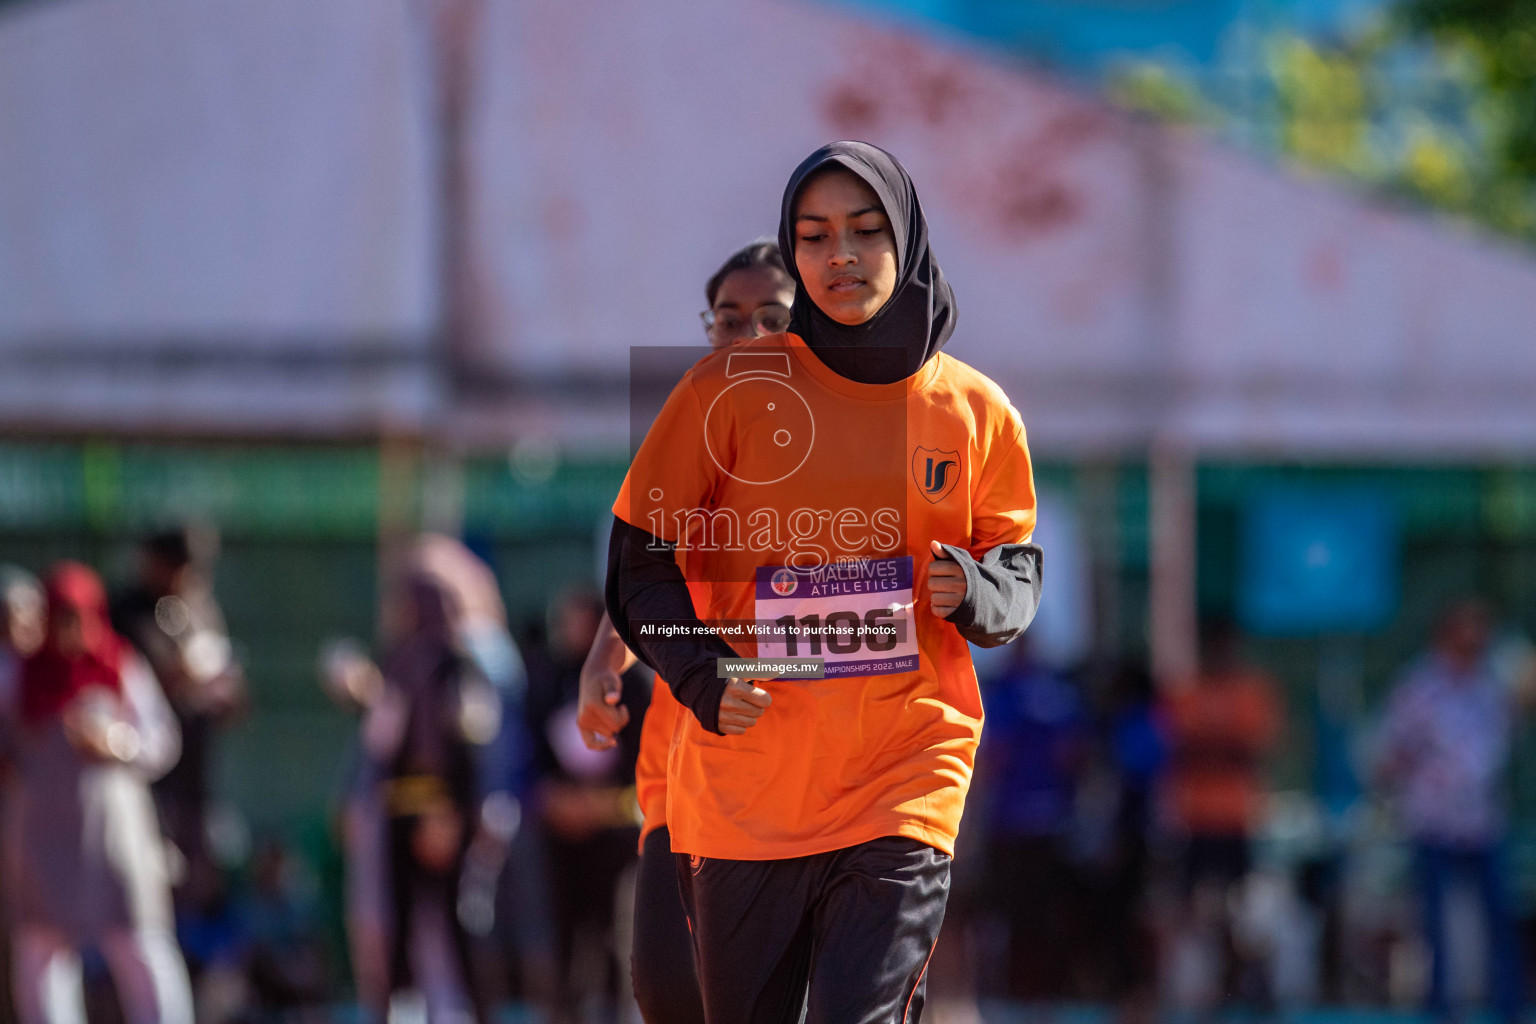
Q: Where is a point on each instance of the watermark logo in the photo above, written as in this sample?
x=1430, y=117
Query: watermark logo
x=935, y=472
x=776, y=428
x=757, y=492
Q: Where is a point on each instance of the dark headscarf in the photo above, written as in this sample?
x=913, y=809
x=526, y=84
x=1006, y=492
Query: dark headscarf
x=919, y=316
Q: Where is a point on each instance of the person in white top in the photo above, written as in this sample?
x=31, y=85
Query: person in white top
x=1444, y=751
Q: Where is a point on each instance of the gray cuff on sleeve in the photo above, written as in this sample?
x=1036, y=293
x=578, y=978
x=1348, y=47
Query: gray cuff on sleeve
x=1002, y=592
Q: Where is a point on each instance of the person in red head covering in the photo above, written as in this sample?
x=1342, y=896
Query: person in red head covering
x=86, y=859
x=80, y=653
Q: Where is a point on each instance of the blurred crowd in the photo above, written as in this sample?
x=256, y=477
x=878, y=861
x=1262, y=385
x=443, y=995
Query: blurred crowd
x=1123, y=843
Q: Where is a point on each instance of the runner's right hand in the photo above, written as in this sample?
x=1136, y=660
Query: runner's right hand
x=599, y=715
x=741, y=705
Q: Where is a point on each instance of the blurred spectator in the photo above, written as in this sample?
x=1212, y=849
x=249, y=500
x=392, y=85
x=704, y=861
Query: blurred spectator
x=1036, y=739
x=171, y=616
x=1445, y=745
x=21, y=623
x=1222, y=723
x=354, y=682
x=214, y=940
x=429, y=818
x=85, y=858
x=1115, y=850
x=286, y=962
x=588, y=812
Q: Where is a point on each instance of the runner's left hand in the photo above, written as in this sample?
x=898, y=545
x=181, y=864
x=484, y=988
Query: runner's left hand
x=946, y=582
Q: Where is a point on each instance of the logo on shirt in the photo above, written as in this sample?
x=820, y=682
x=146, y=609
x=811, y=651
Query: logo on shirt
x=935, y=472
x=784, y=582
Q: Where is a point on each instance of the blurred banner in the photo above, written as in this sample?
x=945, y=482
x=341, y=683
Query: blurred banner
x=214, y=218
x=340, y=492
x=1319, y=560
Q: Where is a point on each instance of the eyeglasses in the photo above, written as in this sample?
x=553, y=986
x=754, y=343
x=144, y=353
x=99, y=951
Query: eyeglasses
x=728, y=325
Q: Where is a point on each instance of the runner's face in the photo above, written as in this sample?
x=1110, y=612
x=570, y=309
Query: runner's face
x=845, y=250
x=742, y=293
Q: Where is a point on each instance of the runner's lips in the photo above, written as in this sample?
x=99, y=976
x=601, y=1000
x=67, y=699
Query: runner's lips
x=845, y=283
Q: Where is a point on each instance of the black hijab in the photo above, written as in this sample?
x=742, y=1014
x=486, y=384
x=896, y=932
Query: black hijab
x=919, y=316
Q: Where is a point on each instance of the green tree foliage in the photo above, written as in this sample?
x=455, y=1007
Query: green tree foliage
x=1434, y=103
x=1500, y=36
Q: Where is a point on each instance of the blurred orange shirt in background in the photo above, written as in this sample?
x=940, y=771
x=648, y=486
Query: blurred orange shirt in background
x=651, y=766
x=1221, y=726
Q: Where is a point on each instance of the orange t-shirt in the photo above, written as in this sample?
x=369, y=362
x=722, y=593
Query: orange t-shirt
x=796, y=495
x=651, y=765
x=1221, y=727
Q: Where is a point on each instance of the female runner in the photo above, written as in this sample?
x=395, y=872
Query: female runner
x=872, y=498
x=749, y=295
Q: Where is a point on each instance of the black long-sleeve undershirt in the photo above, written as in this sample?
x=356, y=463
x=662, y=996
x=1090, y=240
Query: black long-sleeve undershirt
x=644, y=582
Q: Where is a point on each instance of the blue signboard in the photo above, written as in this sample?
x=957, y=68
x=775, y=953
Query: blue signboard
x=1318, y=560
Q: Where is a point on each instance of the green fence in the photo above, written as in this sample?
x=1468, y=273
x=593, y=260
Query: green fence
x=300, y=526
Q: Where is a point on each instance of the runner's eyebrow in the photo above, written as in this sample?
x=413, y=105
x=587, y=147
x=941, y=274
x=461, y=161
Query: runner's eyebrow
x=855, y=213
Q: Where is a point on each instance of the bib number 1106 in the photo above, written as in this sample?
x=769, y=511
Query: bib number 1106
x=856, y=615
x=844, y=632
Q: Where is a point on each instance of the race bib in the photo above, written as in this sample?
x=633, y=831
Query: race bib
x=857, y=615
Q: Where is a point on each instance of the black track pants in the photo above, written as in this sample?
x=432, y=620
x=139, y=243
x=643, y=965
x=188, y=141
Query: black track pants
x=666, y=987
x=846, y=935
